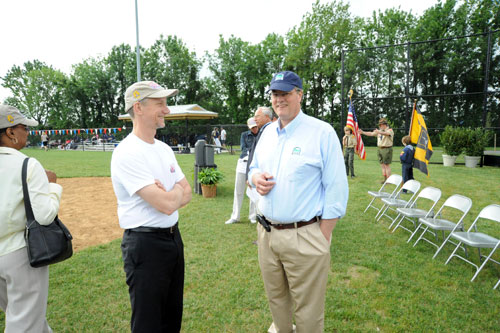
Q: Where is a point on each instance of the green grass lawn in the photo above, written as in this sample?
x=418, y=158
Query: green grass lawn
x=377, y=281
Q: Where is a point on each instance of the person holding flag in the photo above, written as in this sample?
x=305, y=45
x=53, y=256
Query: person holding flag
x=420, y=137
x=352, y=123
x=385, y=138
x=349, y=143
x=407, y=157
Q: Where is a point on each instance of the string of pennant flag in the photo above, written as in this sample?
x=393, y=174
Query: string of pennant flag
x=77, y=131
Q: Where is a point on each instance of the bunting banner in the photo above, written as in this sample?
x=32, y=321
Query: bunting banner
x=420, y=137
x=352, y=123
x=73, y=131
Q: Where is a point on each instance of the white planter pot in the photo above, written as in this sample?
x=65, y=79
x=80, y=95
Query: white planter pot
x=449, y=160
x=471, y=161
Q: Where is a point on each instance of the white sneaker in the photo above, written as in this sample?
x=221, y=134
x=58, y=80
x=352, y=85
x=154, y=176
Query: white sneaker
x=231, y=221
x=253, y=221
x=272, y=329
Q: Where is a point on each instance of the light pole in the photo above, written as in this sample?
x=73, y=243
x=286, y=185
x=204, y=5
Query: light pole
x=138, y=47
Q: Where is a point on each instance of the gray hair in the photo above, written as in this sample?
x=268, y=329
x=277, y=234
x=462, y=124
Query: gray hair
x=266, y=111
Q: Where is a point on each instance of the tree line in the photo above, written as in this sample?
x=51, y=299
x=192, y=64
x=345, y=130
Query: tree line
x=92, y=95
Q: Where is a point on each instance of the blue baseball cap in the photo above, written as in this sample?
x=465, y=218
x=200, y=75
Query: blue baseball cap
x=285, y=81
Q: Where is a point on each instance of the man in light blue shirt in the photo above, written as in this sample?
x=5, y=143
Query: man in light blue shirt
x=298, y=168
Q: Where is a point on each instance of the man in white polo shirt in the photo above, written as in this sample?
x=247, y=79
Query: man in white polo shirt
x=150, y=187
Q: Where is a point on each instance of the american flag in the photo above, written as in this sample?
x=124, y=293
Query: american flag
x=352, y=122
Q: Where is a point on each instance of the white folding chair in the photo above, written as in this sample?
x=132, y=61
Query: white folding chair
x=479, y=240
x=496, y=285
x=437, y=223
x=393, y=181
x=413, y=212
x=411, y=188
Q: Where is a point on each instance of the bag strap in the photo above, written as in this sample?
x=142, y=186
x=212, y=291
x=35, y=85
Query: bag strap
x=27, y=202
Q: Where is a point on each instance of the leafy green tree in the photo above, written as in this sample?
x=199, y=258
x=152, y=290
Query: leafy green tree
x=242, y=71
x=39, y=90
x=170, y=63
x=91, y=84
x=314, y=51
x=121, y=64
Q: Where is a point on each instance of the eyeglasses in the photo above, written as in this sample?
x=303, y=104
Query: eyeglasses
x=284, y=94
x=26, y=128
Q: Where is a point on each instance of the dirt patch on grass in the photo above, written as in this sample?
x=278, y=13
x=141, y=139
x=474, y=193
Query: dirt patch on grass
x=88, y=209
x=359, y=276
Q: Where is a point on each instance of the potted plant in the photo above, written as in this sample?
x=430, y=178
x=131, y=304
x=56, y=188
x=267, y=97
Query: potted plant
x=209, y=178
x=453, y=142
x=476, y=140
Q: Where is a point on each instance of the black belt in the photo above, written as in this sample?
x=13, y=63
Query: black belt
x=155, y=230
x=295, y=224
x=386, y=147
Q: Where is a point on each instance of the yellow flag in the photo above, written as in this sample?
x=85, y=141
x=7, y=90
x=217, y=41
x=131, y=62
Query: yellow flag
x=420, y=137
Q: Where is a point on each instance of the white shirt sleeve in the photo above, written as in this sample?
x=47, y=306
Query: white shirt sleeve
x=44, y=196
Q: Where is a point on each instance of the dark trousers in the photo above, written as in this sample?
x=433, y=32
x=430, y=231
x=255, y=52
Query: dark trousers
x=154, y=267
x=349, y=160
x=407, y=170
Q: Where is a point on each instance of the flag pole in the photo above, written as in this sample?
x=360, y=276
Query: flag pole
x=412, y=112
x=138, y=51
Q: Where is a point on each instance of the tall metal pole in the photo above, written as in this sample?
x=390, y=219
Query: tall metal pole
x=407, y=89
x=486, y=77
x=138, y=47
x=342, y=94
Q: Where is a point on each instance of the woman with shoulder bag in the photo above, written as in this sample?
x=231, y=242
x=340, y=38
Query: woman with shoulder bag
x=23, y=289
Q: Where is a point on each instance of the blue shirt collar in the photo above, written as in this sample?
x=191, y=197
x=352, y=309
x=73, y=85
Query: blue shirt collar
x=292, y=126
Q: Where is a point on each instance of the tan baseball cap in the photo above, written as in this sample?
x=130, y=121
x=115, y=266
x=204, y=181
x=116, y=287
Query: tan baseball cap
x=146, y=89
x=11, y=116
x=251, y=123
x=382, y=121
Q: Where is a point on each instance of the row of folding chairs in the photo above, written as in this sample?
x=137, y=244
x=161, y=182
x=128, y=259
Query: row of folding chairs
x=408, y=204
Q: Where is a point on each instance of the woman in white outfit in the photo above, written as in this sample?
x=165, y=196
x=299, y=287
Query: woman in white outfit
x=23, y=289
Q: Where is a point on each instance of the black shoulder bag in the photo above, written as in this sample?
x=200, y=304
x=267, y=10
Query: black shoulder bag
x=47, y=244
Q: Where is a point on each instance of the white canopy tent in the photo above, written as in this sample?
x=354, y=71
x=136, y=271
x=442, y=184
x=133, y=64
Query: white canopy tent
x=182, y=112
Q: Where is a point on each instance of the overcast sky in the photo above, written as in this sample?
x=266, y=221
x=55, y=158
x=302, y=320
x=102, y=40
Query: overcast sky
x=62, y=33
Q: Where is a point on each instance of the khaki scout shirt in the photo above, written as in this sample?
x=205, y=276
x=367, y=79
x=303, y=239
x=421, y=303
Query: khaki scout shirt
x=350, y=141
x=385, y=140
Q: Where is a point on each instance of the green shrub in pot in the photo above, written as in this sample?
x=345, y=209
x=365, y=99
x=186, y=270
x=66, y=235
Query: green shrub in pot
x=475, y=141
x=453, y=140
x=210, y=176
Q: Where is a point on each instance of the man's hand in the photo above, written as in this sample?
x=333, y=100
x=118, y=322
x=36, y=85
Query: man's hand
x=160, y=185
x=51, y=176
x=166, y=202
x=262, y=182
x=327, y=226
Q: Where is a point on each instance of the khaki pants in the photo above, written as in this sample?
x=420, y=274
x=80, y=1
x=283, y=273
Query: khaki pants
x=294, y=265
x=23, y=293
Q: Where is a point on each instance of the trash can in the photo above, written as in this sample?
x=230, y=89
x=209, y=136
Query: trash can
x=204, y=158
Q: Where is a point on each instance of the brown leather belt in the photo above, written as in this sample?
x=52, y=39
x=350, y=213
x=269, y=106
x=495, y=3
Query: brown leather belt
x=386, y=147
x=295, y=224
